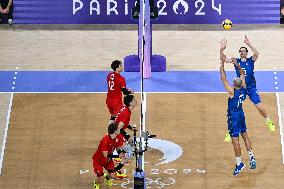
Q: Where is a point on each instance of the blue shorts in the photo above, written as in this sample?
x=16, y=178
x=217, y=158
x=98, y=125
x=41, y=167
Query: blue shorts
x=236, y=123
x=253, y=95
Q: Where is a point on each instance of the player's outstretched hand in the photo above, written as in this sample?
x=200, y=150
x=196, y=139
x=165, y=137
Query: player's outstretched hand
x=223, y=43
x=246, y=41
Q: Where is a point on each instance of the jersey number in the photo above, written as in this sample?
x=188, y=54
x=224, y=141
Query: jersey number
x=245, y=71
x=111, y=83
x=241, y=100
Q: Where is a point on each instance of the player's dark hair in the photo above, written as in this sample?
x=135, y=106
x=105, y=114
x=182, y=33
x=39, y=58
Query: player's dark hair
x=115, y=64
x=127, y=99
x=112, y=128
x=244, y=48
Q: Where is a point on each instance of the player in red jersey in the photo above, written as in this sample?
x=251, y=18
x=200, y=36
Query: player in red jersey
x=116, y=86
x=102, y=158
x=123, y=119
x=122, y=157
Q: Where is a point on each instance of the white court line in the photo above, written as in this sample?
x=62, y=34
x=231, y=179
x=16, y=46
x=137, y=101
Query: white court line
x=280, y=124
x=6, y=132
x=134, y=92
x=199, y=92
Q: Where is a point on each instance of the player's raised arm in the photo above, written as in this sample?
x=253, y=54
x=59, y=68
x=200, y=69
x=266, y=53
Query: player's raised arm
x=223, y=45
x=226, y=84
x=255, y=52
x=242, y=72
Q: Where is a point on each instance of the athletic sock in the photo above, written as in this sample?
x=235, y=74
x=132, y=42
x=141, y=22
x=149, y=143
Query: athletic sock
x=250, y=153
x=267, y=119
x=238, y=160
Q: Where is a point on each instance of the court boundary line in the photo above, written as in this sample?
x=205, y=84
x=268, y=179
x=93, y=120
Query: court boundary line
x=134, y=92
x=6, y=131
x=280, y=124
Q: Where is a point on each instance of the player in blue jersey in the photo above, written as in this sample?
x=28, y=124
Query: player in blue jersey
x=247, y=65
x=236, y=117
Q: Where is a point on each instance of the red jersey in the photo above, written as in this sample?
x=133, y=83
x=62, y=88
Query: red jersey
x=119, y=140
x=106, y=144
x=115, y=83
x=123, y=116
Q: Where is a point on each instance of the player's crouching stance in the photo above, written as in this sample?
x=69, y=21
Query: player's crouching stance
x=124, y=139
x=103, y=158
x=125, y=152
x=235, y=114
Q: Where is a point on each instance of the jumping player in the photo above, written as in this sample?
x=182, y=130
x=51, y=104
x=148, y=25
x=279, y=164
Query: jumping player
x=102, y=158
x=235, y=114
x=116, y=86
x=247, y=64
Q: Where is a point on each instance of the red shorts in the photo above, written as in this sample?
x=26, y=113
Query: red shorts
x=114, y=106
x=99, y=169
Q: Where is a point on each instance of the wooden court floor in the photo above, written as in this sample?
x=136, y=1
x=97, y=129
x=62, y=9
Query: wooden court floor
x=52, y=136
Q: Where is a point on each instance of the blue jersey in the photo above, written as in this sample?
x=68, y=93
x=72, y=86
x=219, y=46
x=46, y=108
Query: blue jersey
x=236, y=103
x=248, y=67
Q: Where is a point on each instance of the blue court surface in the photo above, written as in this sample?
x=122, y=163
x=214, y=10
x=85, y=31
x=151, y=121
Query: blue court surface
x=95, y=81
